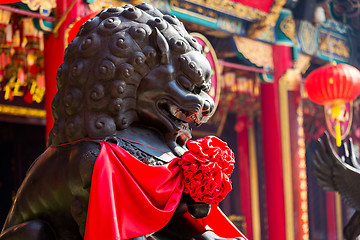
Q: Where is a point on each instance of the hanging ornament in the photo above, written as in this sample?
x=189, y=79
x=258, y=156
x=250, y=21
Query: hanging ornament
x=21, y=77
x=5, y=39
x=334, y=85
x=4, y=59
x=28, y=98
x=40, y=80
x=5, y=17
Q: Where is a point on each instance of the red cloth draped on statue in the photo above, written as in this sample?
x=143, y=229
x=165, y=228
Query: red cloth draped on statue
x=130, y=199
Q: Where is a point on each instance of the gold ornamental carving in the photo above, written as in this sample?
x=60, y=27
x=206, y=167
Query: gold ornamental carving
x=99, y=5
x=293, y=76
x=307, y=37
x=287, y=26
x=291, y=79
x=194, y=10
x=266, y=22
x=229, y=7
x=259, y=53
x=302, y=63
x=34, y=5
x=330, y=44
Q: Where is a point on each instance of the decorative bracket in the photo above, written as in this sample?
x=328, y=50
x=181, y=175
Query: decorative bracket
x=258, y=28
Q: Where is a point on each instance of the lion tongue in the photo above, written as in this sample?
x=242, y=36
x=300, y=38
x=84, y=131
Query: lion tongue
x=180, y=115
x=186, y=118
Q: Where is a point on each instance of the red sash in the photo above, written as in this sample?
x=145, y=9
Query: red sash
x=129, y=199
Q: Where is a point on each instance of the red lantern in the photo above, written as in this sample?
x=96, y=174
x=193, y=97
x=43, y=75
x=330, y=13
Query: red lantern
x=333, y=85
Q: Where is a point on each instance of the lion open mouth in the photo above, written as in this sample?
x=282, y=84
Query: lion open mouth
x=179, y=118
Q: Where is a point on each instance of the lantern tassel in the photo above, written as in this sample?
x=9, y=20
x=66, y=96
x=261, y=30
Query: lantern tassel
x=335, y=113
x=338, y=133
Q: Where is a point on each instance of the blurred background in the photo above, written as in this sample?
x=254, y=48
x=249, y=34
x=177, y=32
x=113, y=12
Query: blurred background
x=261, y=51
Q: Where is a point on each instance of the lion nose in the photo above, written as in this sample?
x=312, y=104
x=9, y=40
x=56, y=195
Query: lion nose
x=207, y=108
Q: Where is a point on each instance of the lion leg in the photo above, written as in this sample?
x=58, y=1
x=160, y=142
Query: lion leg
x=32, y=230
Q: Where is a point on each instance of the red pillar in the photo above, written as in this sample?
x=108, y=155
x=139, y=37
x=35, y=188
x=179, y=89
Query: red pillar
x=54, y=47
x=270, y=108
x=244, y=174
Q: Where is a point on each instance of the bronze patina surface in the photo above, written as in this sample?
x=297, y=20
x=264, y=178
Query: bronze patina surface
x=340, y=172
x=131, y=73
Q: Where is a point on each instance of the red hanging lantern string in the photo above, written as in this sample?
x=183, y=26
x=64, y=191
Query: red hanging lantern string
x=334, y=85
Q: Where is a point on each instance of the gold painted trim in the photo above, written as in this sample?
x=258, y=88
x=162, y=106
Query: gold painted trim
x=62, y=18
x=99, y=5
x=22, y=111
x=197, y=15
x=286, y=159
x=67, y=31
x=254, y=185
x=338, y=212
x=303, y=214
x=232, y=8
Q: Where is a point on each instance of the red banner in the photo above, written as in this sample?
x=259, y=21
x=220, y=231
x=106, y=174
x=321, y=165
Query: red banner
x=8, y=1
x=262, y=5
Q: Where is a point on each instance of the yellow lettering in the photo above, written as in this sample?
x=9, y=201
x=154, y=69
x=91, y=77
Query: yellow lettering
x=39, y=95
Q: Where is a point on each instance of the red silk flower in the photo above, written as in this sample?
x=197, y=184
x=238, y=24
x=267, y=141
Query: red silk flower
x=207, y=167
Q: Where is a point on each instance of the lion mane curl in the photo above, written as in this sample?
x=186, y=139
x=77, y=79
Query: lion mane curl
x=104, y=65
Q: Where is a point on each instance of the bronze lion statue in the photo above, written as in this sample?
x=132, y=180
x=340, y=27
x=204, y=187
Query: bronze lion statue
x=133, y=77
x=338, y=170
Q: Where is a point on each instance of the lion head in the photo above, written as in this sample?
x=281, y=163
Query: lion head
x=131, y=65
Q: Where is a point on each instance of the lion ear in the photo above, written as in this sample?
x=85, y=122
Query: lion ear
x=161, y=45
